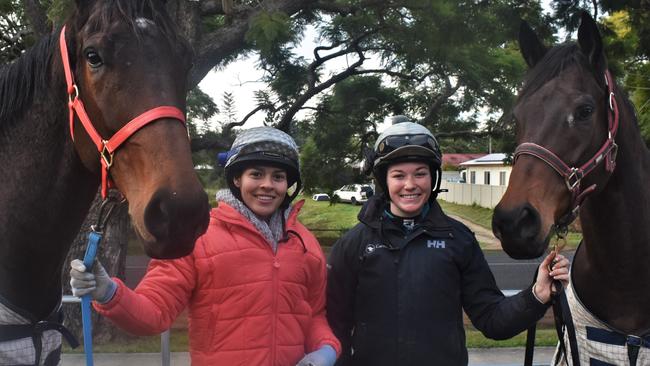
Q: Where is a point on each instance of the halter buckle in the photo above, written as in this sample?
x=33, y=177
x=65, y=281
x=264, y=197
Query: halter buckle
x=573, y=180
x=75, y=92
x=611, y=101
x=106, y=155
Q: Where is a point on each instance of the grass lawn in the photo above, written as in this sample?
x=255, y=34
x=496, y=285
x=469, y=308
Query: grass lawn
x=179, y=342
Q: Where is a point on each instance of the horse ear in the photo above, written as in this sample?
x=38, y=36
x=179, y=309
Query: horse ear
x=532, y=49
x=590, y=41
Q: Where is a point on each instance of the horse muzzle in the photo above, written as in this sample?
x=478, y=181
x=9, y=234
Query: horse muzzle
x=173, y=221
x=519, y=230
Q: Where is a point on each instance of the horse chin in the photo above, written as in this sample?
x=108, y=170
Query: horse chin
x=172, y=240
x=525, y=249
x=165, y=249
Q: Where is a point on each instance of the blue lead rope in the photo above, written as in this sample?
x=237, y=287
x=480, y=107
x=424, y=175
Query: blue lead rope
x=94, y=238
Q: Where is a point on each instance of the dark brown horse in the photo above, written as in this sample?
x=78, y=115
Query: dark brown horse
x=126, y=58
x=564, y=114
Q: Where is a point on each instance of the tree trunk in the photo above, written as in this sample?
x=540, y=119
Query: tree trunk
x=112, y=254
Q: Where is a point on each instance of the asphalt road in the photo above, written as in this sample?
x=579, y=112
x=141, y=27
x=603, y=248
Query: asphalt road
x=512, y=274
x=509, y=273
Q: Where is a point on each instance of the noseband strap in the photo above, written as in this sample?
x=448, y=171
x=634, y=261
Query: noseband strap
x=573, y=175
x=107, y=148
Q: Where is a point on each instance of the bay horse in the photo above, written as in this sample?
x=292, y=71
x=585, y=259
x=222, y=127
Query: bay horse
x=129, y=65
x=580, y=151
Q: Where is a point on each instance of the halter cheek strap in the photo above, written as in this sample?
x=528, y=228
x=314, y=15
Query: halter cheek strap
x=107, y=148
x=573, y=176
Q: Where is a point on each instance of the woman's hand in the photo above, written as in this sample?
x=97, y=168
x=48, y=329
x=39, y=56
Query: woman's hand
x=552, y=268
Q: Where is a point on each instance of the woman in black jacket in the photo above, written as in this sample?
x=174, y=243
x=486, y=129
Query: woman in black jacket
x=399, y=280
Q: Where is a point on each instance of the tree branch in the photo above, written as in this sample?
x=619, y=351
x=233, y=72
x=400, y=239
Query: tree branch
x=286, y=119
x=228, y=41
x=441, y=98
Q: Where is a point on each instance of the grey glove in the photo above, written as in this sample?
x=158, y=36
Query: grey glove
x=324, y=356
x=98, y=284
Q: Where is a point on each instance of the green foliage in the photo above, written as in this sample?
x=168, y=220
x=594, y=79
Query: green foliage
x=200, y=108
x=59, y=10
x=13, y=25
x=340, y=129
x=229, y=108
x=268, y=30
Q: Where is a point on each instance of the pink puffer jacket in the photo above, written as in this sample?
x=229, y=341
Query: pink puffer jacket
x=247, y=305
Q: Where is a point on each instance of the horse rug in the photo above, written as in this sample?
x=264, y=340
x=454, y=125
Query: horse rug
x=598, y=343
x=21, y=351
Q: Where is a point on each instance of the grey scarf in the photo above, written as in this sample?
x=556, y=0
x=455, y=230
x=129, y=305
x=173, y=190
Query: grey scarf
x=272, y=230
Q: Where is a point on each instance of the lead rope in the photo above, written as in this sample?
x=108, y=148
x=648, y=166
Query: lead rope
x=561, y=311
x=94, y=238
x=560, y=242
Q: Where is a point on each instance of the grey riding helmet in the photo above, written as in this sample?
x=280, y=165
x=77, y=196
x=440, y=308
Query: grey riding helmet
x=405, y=142
x=266, y=146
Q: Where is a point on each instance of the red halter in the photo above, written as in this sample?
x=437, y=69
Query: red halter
x=106, y=148
x=572, y=176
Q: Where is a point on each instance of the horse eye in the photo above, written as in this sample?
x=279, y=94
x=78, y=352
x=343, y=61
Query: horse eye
x=94, y=60
x=584, y=112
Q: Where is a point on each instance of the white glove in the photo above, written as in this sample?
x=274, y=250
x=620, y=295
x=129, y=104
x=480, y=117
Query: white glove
x=98, y=284
x=324, y=356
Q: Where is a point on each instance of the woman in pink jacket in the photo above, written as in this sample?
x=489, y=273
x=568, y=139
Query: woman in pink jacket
x=255, y=282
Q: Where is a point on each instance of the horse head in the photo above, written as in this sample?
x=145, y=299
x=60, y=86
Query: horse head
x=561, y=115
x=127, y=59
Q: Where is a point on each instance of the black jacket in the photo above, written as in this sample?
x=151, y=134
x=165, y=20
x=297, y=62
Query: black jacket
x=396, y=299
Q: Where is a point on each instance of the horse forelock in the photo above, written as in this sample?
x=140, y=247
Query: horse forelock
x=105, y=14
x=556, y=60
x=22, y=78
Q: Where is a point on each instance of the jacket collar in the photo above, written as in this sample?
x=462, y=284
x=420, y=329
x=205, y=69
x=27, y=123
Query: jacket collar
x=229, y=214
x=372, y=211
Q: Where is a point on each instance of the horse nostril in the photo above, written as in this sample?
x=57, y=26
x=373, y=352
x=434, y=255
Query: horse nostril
x=176, y=220
x=520, y=224
x=528, y=223
x=156, y=216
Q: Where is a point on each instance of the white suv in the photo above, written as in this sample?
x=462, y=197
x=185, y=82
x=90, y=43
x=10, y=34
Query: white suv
x=354, y=193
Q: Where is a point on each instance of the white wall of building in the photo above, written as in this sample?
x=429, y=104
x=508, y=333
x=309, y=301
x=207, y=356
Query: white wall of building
x=499, y=175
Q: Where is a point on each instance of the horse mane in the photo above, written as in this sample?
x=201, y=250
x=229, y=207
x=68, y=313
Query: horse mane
x=552, y=64
x=21, y=78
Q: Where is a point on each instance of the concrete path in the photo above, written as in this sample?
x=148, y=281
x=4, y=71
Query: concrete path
x=477, y=357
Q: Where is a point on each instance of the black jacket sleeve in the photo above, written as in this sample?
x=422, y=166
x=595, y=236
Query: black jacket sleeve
x=341, y=287
x=496, y=316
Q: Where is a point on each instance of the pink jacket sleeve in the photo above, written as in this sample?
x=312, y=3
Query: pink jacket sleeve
x=152, y=307
x=320, y=333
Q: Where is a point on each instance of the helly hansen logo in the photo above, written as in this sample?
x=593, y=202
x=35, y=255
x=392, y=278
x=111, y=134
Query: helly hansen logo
x=438, y=244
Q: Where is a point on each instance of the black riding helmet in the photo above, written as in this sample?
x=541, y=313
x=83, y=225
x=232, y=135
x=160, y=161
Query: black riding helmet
x=267, y=146
x=405, y=142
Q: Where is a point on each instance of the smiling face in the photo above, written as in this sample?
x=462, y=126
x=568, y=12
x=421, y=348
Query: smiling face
x=409, y=188
x=263, y=189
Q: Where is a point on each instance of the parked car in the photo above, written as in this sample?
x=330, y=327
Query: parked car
x=320, y=197
x=354, y=193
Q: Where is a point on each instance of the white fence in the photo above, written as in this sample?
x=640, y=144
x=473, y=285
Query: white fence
x=469, y=194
